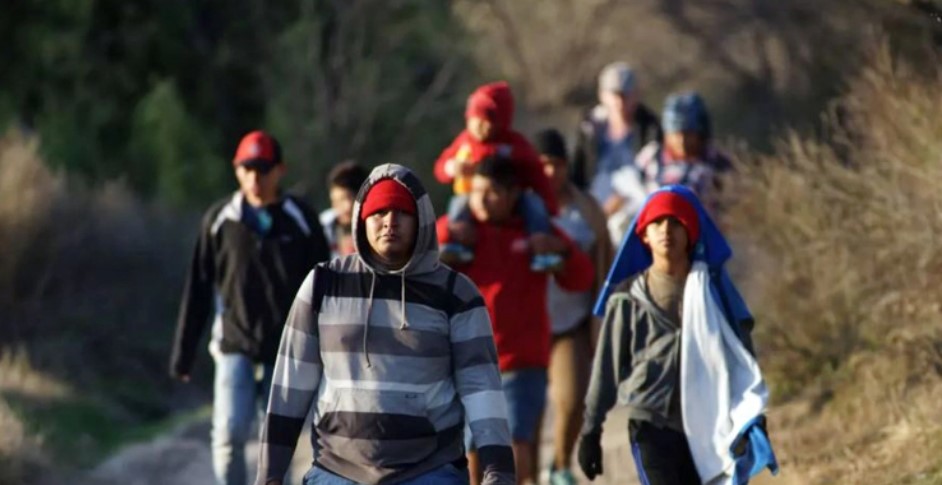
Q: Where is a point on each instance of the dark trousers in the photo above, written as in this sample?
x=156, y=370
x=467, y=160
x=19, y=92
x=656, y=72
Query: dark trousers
x=661, y=455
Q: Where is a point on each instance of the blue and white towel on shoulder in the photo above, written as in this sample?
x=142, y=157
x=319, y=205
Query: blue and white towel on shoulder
x=724, y=395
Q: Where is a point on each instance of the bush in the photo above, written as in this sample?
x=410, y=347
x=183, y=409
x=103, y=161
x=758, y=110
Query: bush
x=89, y=280
x=841, y=232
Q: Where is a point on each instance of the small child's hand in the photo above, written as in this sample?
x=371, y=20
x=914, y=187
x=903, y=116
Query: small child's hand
x=541, y=243
x=464, y=168
x=613, y=204
x=462, y=233
x=460, y=167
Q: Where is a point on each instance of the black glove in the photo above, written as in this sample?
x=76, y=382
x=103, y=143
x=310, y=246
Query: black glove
x=590, y=455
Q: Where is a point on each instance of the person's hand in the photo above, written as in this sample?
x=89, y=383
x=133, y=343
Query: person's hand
x=463, y=168
x=613, y=204
x=179, y=376
x=460, y=167
x=462, y=233
x=590, y=455
x=541, y=243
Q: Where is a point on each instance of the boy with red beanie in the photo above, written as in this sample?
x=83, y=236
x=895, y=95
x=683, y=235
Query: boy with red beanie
x=675, y=349
x=489, y=132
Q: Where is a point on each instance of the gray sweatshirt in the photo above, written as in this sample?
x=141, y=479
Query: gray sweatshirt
x=393, y=363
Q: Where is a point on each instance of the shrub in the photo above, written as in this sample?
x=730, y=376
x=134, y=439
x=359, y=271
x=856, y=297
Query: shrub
x=841, y=232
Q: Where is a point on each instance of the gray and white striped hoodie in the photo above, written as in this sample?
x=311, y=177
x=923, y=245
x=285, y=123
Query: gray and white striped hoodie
x=393, y=361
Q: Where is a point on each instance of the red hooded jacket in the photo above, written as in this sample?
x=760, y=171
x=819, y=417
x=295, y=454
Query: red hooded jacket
x=516, y=296
x=495, y=103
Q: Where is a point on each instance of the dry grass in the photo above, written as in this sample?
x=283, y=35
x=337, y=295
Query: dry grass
x=20, y=454
x=85, y=269
x=760, y=65
x=841, y=236
x=89, y=281
x=20, y=451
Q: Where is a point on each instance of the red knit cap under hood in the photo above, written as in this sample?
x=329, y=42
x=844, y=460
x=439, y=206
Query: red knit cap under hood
x=388, y=194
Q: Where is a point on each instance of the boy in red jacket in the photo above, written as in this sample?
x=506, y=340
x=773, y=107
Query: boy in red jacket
x=488, y=132
x=515, y=297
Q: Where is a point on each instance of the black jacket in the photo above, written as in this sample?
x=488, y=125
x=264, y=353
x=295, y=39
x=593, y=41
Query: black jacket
x=246, y=280
x=585, y=159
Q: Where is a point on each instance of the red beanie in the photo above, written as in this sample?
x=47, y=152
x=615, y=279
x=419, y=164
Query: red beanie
x=672, y=204
x=387, y=194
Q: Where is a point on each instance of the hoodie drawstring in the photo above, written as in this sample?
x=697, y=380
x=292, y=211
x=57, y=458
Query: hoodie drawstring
x=369, y=311
x=403, y=324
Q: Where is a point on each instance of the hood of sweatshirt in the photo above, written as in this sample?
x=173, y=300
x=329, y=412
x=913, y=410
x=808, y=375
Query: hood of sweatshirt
x=494, y=102
x=424, y=257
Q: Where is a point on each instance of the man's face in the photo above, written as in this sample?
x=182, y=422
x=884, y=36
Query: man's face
x=667, y=239
x=260, y=184
x=491, y=202
x=685, y=144
x=391, y=234
x=556, y=170
x=615, y=102
x=341, y=201
x=479, y=128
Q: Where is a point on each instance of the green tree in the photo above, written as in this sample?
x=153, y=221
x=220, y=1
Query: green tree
x=176, y=153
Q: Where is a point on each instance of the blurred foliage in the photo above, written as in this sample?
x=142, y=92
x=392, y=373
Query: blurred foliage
x=158, y=93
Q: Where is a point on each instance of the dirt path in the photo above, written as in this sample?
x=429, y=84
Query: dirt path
x=183, y=458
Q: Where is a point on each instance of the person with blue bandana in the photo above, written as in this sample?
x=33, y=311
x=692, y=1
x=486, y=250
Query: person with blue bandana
x=686, y=156
x=675, y=349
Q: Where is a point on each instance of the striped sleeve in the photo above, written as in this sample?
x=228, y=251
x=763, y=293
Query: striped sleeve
x=297, y=375
x=477, y=380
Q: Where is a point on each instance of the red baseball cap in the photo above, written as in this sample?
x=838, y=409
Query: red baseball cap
x=666, y=203
x=257, y=150
x=387, y=194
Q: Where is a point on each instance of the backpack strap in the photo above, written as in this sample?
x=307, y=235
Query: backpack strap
x=452, y=278
x=322, y=279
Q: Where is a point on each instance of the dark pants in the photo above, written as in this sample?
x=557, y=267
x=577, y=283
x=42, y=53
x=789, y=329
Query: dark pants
x=661, y=455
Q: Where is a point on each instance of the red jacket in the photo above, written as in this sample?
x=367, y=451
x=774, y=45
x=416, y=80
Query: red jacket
x=516, y=296
x=495, y=102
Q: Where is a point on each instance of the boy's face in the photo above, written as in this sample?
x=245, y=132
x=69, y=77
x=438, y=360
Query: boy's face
x=556, y=171
x=667, y=239
x=341, y=201
x=490, y=202
x=685, y=144
x=479, y=128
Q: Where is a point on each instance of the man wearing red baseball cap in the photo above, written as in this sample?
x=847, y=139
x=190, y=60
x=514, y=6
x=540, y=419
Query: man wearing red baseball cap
x=254, y=249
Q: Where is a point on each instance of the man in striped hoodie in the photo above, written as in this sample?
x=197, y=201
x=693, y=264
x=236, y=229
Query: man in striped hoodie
x=394, y=351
